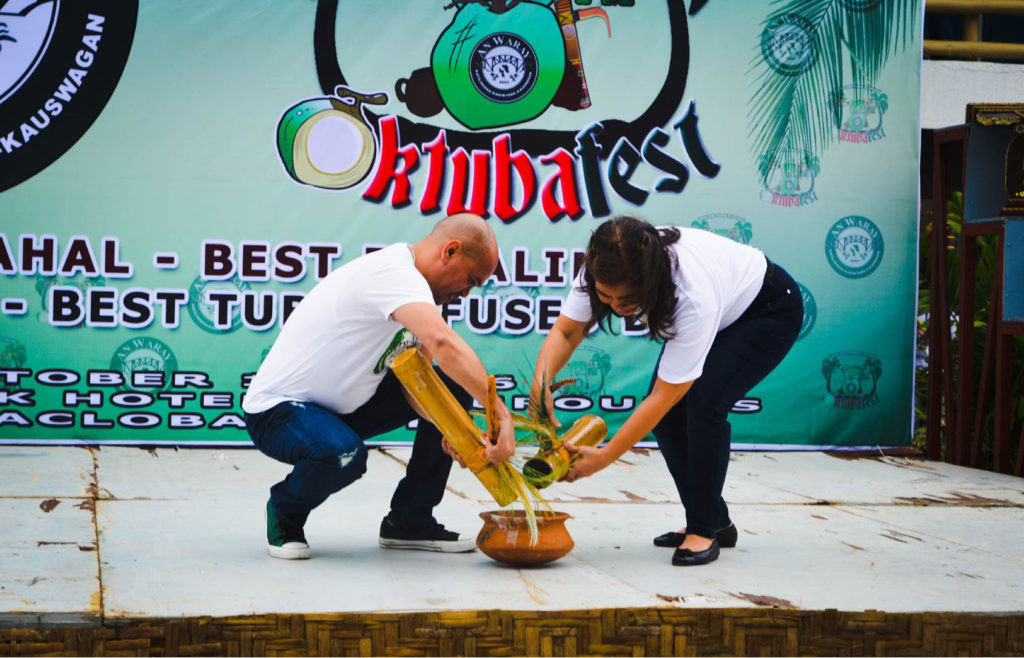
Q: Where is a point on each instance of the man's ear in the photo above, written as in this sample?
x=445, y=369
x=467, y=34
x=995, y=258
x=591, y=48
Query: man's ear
x=450, y=250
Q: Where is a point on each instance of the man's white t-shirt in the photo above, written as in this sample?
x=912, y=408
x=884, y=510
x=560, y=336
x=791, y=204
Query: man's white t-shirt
x=338, y=342
x=716, y=280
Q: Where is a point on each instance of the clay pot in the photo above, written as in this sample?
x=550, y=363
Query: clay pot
x=505, y=537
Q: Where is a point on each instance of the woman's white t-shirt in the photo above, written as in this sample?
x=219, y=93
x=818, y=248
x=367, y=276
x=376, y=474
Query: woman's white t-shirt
x=716, y=280
x=338, y=342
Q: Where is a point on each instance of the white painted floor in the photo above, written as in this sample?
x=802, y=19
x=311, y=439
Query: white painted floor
x=181, y=533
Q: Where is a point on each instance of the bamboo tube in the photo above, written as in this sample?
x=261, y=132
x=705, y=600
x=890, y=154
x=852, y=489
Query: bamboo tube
x=979, y=49
x=445, y=412
x=491, y=407
x=974, y=6
x=552, y=464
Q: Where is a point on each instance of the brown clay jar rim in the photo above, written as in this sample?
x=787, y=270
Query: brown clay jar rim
x=518, y=516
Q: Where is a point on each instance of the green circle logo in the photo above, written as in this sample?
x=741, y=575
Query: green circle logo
x=851, y=379
x=789, y=44
x=204, y=314
x=590, y=371
x=788, y=177
x=854, y=247
x=861, y=110
x=143, y=354
x=810, y=311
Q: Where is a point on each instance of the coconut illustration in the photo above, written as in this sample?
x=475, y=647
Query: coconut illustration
x=326, y=142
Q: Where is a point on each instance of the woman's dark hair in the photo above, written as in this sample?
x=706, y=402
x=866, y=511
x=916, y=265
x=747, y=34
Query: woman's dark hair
x=631, y=252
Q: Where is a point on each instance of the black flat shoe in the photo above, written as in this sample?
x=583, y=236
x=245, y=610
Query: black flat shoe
x=670, y=539
x=684, y=557
x=726, y=538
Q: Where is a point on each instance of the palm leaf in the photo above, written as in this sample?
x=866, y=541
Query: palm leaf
x=796, y=111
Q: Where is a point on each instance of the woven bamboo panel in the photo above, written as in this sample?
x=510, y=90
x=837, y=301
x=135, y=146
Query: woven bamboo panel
x=623, y=632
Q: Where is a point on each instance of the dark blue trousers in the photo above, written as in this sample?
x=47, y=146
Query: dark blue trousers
x=694, y=436
x=328, y=453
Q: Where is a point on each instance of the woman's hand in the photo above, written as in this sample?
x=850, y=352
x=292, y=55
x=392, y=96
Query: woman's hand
x=542, y=391
x=641, y=422
x=586, y=461
x=563, y=338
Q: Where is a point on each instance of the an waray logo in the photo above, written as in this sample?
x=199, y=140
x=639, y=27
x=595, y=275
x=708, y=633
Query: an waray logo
x=59, y=64
x=144, y=355
x=566, y=171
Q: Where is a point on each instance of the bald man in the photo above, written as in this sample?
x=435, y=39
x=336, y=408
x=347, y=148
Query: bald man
x=325, y=386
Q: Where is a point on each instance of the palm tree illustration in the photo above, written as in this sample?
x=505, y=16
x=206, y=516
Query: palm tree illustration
x=881, y=99
x=744, y=230
x=793, y=108
x=15, y=354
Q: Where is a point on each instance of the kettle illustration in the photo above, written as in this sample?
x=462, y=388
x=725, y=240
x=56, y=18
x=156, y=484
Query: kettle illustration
x=499, y=63
x=502, y=62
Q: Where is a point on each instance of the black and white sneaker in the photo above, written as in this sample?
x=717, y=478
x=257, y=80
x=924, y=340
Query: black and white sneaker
x=428, y=538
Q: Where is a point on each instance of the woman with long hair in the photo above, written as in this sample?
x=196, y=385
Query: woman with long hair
x=725, y=316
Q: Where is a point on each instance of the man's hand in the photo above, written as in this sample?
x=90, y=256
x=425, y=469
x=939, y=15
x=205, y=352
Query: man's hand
x=505, y=446
x=451, y=452
x=586, y=461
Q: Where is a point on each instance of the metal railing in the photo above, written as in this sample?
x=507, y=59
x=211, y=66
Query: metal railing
x=972, y=47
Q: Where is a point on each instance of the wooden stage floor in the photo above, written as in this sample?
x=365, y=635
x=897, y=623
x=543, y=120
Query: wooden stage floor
x=160, y=551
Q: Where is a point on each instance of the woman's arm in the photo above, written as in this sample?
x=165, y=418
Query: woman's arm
x=652, y=409
x=561, y=342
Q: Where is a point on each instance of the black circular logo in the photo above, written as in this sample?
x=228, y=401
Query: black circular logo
x=503, y=67
x=790, y=44
x=59, y=64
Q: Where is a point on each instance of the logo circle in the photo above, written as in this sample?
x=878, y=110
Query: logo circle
x=143, y=354
x=790, y=172
x=25, y=33
x=205, y=314
x=854, y=247
x=789, y=44
x=810, y=311
x=503, y=67
x=590, y=371
x=851, y=379
x=59, y=65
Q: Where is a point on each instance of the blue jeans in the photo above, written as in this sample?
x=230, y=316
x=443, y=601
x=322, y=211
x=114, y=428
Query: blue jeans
x=694, y=436
x=328, y=453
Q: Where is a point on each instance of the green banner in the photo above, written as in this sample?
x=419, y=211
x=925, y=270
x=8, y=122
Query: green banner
x=176, y=176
